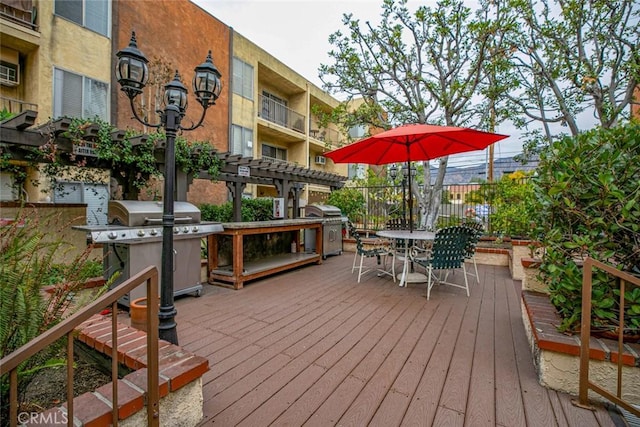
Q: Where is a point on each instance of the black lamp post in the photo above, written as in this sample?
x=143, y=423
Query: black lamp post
x=393, y=171
x=132, y=73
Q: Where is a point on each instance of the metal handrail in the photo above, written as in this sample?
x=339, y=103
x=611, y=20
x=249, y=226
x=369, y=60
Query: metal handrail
x=585, y=331
x=10, y=363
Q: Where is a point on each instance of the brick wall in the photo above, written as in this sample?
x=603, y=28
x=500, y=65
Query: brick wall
x=179, y=33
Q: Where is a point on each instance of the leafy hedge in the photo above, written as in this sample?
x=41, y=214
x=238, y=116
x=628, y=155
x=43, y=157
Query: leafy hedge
x=260, y=209
x=588, y=193
x=350, y=201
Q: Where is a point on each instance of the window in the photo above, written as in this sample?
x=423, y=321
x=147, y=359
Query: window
x=357, y=132
x=241, y=141
x=92, y=14
x=96, y=196
x=78, y=96
x=272, y=152
x=9, y=73
x=7, y=187
x=356, y=171
x=242, y=79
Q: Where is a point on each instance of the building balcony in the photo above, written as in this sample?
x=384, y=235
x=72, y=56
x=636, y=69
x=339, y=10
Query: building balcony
x=279, y=114
x=21, y=12
x=327, y=138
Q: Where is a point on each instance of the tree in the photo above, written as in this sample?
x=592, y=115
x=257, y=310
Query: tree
x=414, y=67
x=564, y=60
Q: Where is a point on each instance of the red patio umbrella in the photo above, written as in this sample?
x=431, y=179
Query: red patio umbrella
x=415, y=142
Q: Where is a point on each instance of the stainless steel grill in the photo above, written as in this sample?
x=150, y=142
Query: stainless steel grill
x=331, y=229
x=133, y=241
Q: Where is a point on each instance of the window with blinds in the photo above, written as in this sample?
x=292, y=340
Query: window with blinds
x=241, y=141
x=242, y=78
x=7, y=187
x=79, y=96
x=91, y=14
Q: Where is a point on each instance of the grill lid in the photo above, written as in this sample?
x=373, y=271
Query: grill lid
x=322, y=211
x=134, y=213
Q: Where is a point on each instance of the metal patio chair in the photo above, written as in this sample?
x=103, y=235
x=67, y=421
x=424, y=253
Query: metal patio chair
x=375, y=252
x=476, y=232
x=448, y=253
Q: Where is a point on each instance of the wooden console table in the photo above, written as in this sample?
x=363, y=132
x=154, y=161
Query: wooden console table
x=242, y=270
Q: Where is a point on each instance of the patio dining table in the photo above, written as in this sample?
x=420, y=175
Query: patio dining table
x=410, y=237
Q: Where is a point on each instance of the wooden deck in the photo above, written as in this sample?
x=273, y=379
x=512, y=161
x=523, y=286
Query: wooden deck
x=313, y=347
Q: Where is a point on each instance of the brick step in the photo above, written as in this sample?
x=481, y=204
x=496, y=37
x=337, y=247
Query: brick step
x=177, y=367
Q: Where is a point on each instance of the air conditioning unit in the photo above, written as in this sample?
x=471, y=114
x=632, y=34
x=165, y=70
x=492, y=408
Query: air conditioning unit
x=321, y=160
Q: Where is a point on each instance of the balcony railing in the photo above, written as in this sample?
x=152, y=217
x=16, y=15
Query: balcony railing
x=16, y=106
x=280, y=161
x=331, y=137
x=19, y=11
x=280, y=114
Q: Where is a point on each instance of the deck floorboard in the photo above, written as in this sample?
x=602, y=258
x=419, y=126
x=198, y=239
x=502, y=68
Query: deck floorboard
x=313, y=347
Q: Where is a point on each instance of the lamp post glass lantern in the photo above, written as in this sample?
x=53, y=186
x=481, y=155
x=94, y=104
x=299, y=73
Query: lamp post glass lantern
x=132, y=73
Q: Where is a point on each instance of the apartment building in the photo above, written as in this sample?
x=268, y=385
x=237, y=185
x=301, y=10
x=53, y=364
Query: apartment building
x=272, y=116
x=58, y=58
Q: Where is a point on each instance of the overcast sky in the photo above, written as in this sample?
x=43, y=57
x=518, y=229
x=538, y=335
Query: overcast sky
x=297, y=32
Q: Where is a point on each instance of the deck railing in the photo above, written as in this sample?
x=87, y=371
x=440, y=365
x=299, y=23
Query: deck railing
x=585, y=385
x=9, y=364
x=384, y=202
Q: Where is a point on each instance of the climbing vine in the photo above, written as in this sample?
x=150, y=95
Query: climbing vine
x=132, y=160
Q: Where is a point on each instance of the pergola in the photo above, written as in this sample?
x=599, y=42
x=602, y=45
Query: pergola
x=20, y=133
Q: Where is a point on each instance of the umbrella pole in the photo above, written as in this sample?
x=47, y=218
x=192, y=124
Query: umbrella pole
x=410, y=202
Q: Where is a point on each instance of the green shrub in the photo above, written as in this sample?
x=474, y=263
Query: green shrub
x=26, y=266
x=513, y=206
x=59, y=272
x=219, y=213
x=350, y=201
x=589, y=206
x=260, y=209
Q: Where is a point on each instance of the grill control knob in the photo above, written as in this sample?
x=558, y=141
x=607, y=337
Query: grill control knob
x=185, y=229
x=112, y=235
x=153, y=232
x=140, y=233
x=195, y=229
x=176, y=230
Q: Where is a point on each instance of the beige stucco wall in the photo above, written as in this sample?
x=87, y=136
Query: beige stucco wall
x=182, y=407
x=56, y=222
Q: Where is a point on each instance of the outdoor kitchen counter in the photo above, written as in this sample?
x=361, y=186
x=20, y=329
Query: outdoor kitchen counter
x=241, y=270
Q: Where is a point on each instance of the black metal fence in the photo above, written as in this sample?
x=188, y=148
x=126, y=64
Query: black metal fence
x=459, y=202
